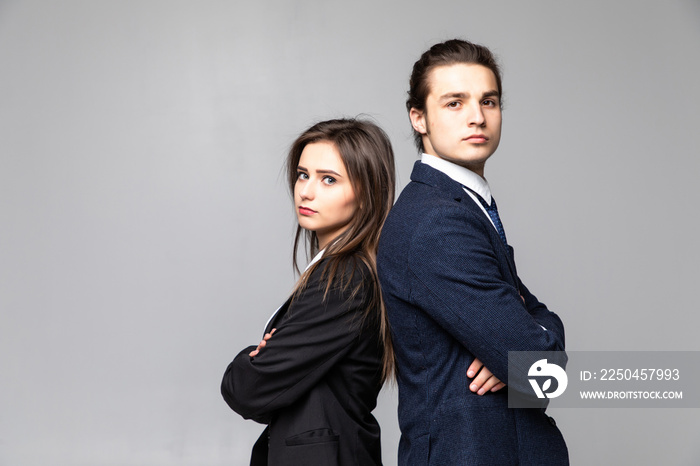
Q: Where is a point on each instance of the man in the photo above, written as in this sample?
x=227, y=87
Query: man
x=450, y=285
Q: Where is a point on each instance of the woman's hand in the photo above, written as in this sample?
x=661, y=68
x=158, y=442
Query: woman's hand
x=262, y=343
x=484, y=381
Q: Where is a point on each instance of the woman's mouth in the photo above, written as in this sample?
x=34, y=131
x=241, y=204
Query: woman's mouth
x=306, y=211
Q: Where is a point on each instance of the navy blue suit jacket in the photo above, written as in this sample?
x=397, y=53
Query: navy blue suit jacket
x=453, y=294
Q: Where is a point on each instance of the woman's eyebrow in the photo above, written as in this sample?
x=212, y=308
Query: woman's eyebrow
x=329, y=171
x=321, y=171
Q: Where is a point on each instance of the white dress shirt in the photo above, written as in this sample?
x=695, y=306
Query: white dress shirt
x=465, y=177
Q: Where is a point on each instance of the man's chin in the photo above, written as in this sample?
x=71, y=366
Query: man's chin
x=470, y=162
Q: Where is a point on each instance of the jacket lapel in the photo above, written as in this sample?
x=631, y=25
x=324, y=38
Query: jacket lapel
x=279, y=313
x=450, y=188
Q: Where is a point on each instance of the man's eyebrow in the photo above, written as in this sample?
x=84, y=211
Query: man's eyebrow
x=464, y=95
x=453, y=95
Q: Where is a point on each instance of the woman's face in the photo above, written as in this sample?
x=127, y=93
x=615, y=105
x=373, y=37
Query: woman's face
x=323, y=196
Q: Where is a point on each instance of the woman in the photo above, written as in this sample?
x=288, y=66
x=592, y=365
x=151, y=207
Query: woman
x=315, y=376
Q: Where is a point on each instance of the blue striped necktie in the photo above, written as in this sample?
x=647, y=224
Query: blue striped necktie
x=492, y=210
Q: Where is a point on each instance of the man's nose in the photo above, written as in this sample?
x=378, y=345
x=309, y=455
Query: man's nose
x=476, y=115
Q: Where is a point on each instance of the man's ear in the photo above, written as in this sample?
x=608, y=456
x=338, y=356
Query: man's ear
x=418, y=120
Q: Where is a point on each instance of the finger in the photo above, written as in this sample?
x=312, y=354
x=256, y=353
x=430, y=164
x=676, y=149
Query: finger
x=480, y=379
x=262, y=344
x=498, y=387
x=255, y=351
x=489, y=384
x=474, y=368
x=272, y=331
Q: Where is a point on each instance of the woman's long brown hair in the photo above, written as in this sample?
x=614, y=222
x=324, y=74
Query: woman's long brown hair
x=369, y=160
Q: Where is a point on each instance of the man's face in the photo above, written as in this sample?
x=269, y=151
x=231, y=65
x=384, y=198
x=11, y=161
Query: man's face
x=462, y=118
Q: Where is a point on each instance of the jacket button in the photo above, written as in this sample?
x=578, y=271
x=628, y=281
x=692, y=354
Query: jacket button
x=552, y=421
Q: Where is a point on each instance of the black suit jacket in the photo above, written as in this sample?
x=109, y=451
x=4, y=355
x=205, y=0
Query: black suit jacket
x=316, y=381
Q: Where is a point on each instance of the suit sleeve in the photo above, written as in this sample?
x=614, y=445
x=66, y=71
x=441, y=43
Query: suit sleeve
x=457, y=279
x=543, y=316
x=312, y=337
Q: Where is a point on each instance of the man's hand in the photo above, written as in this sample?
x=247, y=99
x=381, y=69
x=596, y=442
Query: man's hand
x=262, y=343
x=484, y=381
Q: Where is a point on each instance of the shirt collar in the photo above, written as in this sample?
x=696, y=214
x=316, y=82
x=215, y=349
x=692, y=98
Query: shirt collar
x=461, y=175
x=315, y=259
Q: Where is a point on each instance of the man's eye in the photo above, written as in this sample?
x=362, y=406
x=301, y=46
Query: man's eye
x=490, y=103
x=453, y=104
x=329, y=180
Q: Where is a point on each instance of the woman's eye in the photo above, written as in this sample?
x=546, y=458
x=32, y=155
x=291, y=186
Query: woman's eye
x=302, y=176
x=329, y=180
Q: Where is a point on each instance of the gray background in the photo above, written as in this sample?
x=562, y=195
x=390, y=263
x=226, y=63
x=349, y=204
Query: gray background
x=146, y=231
